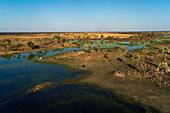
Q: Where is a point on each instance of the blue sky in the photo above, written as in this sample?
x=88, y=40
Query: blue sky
x=84, y=15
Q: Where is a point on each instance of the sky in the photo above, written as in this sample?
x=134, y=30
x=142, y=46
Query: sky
x=84, y=15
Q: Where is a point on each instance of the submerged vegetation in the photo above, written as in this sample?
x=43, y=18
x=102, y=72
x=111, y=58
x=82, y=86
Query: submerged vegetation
x=39, y=87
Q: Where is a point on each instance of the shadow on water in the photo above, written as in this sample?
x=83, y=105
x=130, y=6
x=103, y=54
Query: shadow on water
x=71, y=99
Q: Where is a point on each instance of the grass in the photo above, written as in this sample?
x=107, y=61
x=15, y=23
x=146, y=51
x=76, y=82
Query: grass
x=101, y=76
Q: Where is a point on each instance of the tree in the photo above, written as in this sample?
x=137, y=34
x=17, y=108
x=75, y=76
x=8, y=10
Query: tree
x=99, y=46
x=163, y=68
x=166, y=49
x=38, y=40
x=136, y=56
x=63, y=40
x=70, y=44
x=30, y=57
x=88, y=37
x=143, y=42
x=78, y=38
x=91, y=42
x=90, y=47
x=7, y=42
x=106, y=43
x=3, y=46
x=145, y=50
x=16, y=39
x=102, y=37
x=55, y=36
x=131, y=43
x=30, y=44
x=4, y=43
x=97, y=43
x=122, y=49
x=160, y=50
x=86, y=47
x=110, y=37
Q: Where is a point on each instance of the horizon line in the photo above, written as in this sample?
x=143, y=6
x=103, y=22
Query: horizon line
x=82, y=31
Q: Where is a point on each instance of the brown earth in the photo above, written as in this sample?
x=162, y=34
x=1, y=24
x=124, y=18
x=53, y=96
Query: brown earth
x=69, y=36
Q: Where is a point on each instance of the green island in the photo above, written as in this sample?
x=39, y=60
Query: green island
x=135, y=75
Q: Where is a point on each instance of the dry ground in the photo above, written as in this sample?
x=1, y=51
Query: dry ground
x=68, y=35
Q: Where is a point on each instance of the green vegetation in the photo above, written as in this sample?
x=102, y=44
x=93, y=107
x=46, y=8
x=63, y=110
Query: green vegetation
x=30, y=44
x=136, y=56
x=134, y=73
x=123, y=50
x=16, y=39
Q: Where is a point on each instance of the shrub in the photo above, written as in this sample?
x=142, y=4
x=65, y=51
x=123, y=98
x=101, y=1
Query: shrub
x=122, y=49
x=16, y=39
x=30, y=44
x=136, y=56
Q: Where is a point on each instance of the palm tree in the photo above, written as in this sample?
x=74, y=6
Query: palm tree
x=166, y=49
x=122, y=49
x=7, y=42
x=90, y=47
x=97, y=43
x=4, y=43
x=91, y=43
x=99, y=46
x=136, y=56
x=3, y=46
x=143, y=42
x=131, y=43
x=145, y=50
x=70, y=44
x=163, y=68
x=160, y=50
x=106, y=43
x=86, y=47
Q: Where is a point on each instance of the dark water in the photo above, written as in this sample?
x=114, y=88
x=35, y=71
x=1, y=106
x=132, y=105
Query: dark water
x=71, y=99
x=18, y=73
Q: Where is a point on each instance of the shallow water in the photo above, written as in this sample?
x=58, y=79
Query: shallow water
x=167, y=34
x=18, y=73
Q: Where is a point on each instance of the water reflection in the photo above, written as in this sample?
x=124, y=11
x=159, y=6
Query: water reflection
x=7, y=56
x=19, y=56
x=31, y=57
x=72, y=99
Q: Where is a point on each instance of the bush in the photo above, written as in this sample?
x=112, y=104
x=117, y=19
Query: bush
x=16, y=39
x=30, y=44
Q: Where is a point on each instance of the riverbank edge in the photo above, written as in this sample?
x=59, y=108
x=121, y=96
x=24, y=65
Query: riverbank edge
x=123, y=98
x=15, y=52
